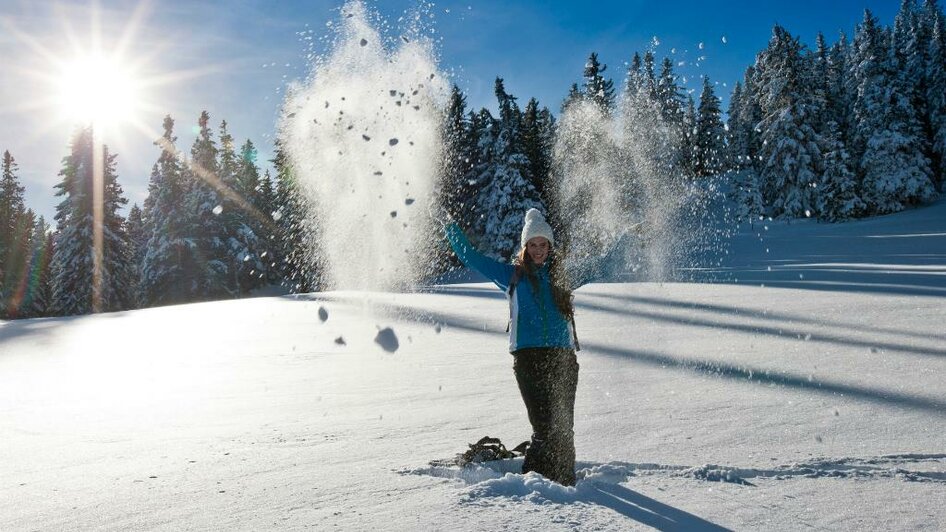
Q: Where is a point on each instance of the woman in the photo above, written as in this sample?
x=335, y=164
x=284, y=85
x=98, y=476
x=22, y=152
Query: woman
x=541, y=339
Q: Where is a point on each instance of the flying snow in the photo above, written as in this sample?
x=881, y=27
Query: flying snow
x=329, y=121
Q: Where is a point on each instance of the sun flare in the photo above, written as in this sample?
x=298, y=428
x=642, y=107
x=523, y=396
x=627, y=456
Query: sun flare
x=96, y=89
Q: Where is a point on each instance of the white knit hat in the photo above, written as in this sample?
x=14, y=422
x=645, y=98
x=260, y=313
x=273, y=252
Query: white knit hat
x=536, y=225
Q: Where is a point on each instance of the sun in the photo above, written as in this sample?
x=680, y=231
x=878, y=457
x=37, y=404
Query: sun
x=101, y=77
x=96, y=89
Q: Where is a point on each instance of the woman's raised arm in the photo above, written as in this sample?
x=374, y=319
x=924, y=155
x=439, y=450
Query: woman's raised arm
x=495, y=271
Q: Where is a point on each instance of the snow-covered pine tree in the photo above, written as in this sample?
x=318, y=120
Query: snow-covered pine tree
x=791, y=164
x=38, y=293
x=688, y=140
x=18, y=264
x=596, y=87
x=299, y=263
x=838, y=100
x=750, y=117
x=653, y=127
x=11, y=211
x=936, y=94
x=574, y=95
x=247, y=174
x=481, y=123
x=736, y=141
x=246, y=264
x=929, y=13
x=670, y=95
x=818, y=77
x=168, y=269
x=894, y=171
x=74, y=291
x=454, y=191
x=265, y=203
x=205, y=226
x=635, y=78
x=118, y=279
x=820, y=61
x=226, y=156
x=247, y=243
x=538, y=136
x=649, y=75
x=838, y=195
x=135, y=228
x=651, y=160
x=671, y=101
x=505, y=190
x=866, y=49
x=11, y=202
x=72, y=258
x=240, y=243
x=265, y=199
x=137, y=240
x=709, y=143
x=746, y=194
x=742, y=150
x=910, y=42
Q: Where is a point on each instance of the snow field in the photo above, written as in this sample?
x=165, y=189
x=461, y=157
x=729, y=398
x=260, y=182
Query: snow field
x=806, y=403
x=247, y=414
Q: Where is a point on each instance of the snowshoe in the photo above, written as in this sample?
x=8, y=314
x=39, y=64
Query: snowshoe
x=487, y=449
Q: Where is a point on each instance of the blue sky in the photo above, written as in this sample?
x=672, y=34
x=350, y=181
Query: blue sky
x=234, y=58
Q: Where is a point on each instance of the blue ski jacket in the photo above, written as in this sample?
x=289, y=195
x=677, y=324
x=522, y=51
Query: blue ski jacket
x=535, y=320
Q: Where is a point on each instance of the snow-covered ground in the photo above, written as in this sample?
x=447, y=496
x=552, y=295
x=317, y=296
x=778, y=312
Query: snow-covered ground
x=816, y=401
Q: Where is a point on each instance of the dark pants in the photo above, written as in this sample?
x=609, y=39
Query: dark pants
x=548, y=378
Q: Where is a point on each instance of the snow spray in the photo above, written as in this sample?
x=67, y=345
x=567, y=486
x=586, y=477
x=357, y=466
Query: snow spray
x=362, y=136
x=618, y=174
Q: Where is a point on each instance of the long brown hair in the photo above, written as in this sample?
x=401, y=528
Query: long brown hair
x=561, y=289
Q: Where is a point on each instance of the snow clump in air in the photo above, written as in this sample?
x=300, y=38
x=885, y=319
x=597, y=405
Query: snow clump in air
x=387, y=340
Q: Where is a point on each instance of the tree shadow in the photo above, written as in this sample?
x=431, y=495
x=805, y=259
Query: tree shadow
x=38, y=329
x=758, y=376
x=745, y=312
x=773, y=331
x=645, y=510
x=42, y=328
x=467, y=291
x=827, y=282
x=414, y=314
